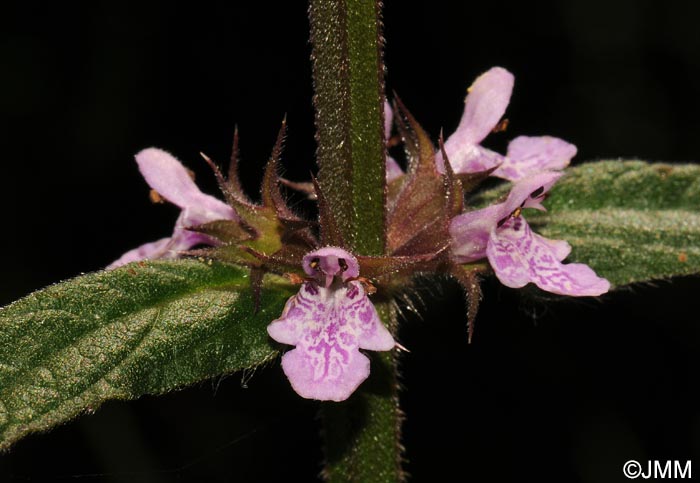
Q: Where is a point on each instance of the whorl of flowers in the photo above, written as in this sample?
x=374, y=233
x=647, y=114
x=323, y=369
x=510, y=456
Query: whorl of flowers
x=429, y=229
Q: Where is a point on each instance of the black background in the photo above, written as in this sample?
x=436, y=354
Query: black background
x=563, y=391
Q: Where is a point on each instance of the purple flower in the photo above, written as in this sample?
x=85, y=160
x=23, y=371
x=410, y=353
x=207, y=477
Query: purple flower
x=328, y=321
x=519, y=256
x=484, y=107
x=169, y=178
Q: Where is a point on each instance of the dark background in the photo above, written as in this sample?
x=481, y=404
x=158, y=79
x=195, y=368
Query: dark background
x=563, y=391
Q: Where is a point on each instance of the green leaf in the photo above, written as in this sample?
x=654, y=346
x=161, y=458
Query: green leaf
x=630, y=221
x=146, y=328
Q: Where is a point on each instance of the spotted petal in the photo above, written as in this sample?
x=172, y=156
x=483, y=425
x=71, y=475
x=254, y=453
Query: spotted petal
x=519, y=257
x=470, y=231
x=560, y=248
x=328, y=327
x=530, y=155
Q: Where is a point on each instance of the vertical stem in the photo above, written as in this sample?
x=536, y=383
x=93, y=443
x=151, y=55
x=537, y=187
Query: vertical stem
x=362, y=436
x=349, y=99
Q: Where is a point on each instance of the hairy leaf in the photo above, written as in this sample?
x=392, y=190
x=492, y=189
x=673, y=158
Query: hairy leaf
x=631, y=221
x=146, y=328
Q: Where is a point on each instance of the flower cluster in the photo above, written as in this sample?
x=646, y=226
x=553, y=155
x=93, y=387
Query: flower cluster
x=428, y=229
x=499, y=232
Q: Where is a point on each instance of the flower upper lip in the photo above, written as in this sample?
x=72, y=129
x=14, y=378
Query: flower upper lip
x=169, y=178
x=485, y=104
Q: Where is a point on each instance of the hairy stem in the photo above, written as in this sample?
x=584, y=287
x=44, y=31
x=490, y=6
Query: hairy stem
x=349, y=99
x=362, y=435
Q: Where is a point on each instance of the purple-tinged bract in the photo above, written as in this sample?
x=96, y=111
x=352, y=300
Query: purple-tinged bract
x=328, y=321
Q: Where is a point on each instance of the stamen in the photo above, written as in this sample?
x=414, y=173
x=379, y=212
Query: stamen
x=155, y=197
x=295, y=279
x=516, y=214
x=501, y=126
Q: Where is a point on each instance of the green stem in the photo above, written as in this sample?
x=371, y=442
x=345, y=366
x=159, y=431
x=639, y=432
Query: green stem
x=362, y=435
x=349, y=99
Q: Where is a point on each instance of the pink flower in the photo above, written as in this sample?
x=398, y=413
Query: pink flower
x=169, y=178
x=519, y=256
x=484, y=107
x=531, y=155
x=328, y=321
